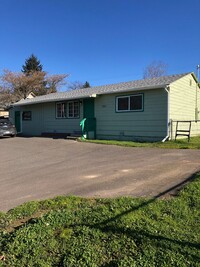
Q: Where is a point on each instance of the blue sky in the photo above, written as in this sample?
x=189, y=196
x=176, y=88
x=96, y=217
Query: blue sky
x=101, y=41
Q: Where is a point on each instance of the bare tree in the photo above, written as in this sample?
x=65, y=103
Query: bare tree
x=78, y=85
x=21, y=85
x=15, y=86
x=155, y=69
x=54, y=82
x=6, y=98
x=75, y=85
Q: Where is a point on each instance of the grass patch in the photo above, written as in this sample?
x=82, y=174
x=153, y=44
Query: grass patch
x=73, y=231
x=179, y=144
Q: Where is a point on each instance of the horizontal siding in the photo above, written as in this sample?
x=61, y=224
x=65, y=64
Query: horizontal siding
x=53, y=125
x=35, y=125
x=134, y=123
x=183, y=103
x=44, y=120
x=130, y=125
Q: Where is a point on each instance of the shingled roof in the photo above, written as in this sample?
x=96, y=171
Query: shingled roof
x=159, y=82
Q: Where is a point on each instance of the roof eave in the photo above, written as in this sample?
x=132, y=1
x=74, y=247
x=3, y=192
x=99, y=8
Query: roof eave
x=135, y=89
x=92, y=95
x=47, y=101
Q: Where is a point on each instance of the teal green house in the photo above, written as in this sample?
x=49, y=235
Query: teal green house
x=136, y=110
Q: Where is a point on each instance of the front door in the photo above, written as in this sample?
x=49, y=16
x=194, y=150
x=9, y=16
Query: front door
x=88, y=108
x=88, y=114
x=18, y=121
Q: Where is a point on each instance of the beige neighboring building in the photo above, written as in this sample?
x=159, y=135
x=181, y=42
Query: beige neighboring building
x=31, y=95
x=4, y=113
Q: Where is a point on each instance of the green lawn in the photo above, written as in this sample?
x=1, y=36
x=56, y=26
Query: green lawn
x=72, y=231
x=179, y=144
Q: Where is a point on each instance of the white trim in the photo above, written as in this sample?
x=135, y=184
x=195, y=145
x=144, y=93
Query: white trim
x=167, y=89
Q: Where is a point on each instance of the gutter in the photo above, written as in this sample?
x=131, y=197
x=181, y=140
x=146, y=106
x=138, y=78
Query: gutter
x=47, y=101
x=196, y=96
x=167, y=136
x=160, y=86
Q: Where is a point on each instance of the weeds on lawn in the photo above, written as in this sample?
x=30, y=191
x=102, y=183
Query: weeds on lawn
x=72, y=231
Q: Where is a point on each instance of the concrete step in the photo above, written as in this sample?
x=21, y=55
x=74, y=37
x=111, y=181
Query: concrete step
x=73, y=137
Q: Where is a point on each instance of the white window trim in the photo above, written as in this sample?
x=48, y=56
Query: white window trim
x=129, y=110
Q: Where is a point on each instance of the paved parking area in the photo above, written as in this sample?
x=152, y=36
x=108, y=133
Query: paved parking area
x=39, y=168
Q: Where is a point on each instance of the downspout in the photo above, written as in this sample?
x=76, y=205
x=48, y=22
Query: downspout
x=196, y=104
x=167, y=136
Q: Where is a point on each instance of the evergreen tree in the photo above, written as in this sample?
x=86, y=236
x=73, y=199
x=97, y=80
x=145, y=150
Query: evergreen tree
x=86, y=85
x=31, y=64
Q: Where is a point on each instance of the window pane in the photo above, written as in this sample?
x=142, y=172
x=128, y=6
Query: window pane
x=123, y=103
x=70, y=109
x=136, y=102
x=76, y=109
x=64, y=110
x=58, y=111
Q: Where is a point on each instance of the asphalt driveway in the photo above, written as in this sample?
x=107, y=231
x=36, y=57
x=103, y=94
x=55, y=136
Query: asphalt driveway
x=39, y=168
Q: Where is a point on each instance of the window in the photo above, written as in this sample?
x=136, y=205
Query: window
x=129, y=103
x=68, y=109
x=73, y=109
x=26, y=115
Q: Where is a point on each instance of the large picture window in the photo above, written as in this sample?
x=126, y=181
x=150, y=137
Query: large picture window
x=69, y=109
x=129, y=103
